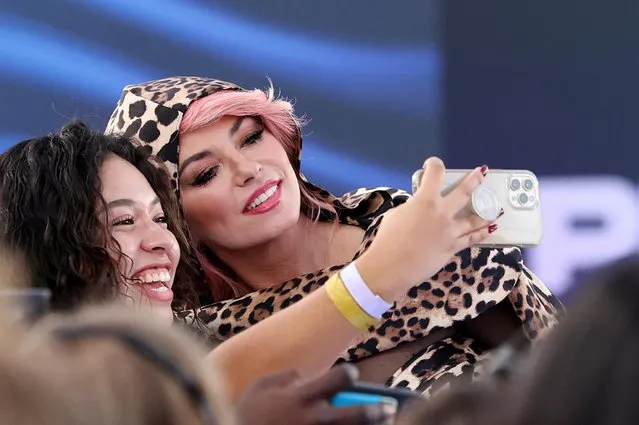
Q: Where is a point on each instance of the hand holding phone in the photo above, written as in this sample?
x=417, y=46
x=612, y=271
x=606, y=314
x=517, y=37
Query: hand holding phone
x=350, y=399
x=284, y=399
x=403, y=396
x=514, y=191
x=363, y=393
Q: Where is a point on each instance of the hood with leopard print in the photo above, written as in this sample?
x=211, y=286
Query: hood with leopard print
x=471, y=283
x=152, y=112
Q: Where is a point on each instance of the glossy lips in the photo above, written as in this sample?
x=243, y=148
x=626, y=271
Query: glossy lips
x=264, y=199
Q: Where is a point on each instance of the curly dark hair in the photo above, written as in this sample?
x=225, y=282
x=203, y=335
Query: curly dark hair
x=50, y=192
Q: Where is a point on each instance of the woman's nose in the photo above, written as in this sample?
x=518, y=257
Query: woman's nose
x=157, y=237
x=246, y=170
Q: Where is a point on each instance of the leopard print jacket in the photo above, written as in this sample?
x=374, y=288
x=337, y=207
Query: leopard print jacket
x=473, y=281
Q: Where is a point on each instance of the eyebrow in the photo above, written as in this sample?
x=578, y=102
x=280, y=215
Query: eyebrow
x=203, y=154
x=126, y=202
x=236, y=125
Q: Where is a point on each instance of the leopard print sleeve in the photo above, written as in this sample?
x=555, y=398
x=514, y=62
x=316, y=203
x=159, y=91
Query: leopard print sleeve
x=535, y=305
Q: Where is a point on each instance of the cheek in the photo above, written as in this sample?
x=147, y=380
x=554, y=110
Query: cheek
x=174, y=250
x=130, y=294
x=286, y=166
x=208, y=207
x=275, y=152
x=293, y=187
x=126, y=253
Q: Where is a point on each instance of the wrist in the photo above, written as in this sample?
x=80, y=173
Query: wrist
x=346, y=304
x=368, y=300
x=383, y=280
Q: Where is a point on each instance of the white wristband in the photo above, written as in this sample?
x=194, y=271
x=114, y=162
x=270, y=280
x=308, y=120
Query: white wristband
x=372, y=304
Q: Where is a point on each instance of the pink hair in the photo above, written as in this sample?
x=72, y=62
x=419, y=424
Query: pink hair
x=280, y=120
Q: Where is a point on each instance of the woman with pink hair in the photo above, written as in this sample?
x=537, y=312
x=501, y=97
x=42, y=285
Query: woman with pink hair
x=267, y=239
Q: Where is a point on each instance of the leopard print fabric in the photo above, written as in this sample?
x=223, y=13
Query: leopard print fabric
x=473, y=281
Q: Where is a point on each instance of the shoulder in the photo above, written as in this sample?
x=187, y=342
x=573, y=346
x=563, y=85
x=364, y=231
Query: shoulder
x=189, y=322
x=363, y=205
x=365, y=194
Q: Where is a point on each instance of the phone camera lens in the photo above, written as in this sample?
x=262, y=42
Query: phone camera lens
x=523, y=198
x=528, y=184
x=515, y=184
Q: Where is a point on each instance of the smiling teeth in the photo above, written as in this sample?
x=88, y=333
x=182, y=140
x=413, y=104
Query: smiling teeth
x=263, y=197
x=156, y=277
x=159, y=289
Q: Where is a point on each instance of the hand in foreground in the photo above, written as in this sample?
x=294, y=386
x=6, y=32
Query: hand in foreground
x=283, y=399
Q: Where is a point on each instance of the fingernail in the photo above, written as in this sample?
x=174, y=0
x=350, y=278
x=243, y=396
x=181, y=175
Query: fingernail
x=492, y=228
x=484, y=170
x=352, y=371
x=501, y=213
x=381, y=413
x=389, y=410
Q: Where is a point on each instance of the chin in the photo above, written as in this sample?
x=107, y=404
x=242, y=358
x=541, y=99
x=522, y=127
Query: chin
x=274, y=230
x=256, y=235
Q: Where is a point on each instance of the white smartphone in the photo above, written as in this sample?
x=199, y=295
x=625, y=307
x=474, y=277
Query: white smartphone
x=518, y=193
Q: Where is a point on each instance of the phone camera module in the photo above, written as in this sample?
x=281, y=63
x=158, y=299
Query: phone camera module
x=528, y=184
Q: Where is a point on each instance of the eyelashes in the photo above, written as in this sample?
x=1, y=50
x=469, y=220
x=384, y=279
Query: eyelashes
x=123, y=221
x=129, y=220
x=253, y=138
x=206, y=176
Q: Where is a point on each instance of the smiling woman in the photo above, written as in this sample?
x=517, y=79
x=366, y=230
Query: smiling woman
x=97, y=220
x=202, y=173
x=139, y=225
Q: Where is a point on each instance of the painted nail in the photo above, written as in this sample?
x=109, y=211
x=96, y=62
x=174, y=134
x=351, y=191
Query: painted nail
x=492, y=228
x=484, y=170
x=351, y=371
x=380, y=414
x=501, y=213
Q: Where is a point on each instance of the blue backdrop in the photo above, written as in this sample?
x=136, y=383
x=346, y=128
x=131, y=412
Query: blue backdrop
x=368, y=79
x=547, y=86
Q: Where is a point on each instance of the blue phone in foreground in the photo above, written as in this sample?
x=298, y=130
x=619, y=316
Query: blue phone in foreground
x=362, y=393
x=403, y=396
x=348, y=398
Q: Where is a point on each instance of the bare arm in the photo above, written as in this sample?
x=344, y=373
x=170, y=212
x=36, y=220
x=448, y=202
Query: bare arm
x=307, y=336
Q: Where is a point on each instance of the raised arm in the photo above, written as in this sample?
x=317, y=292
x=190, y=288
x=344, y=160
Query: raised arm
x=309, y=336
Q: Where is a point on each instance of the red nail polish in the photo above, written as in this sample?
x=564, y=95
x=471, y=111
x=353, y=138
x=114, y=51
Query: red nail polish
x=484, y=170
x=492, y=228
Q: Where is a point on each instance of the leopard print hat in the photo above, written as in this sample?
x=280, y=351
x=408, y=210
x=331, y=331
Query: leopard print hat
x=151, y=112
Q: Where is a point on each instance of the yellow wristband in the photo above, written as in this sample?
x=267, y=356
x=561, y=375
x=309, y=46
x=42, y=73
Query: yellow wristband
x=347, y=305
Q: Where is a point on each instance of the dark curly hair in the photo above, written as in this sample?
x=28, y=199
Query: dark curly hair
x=50, y=192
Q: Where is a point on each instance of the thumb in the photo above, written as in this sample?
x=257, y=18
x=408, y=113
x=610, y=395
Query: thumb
x=335, y=380
x=432, y=178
